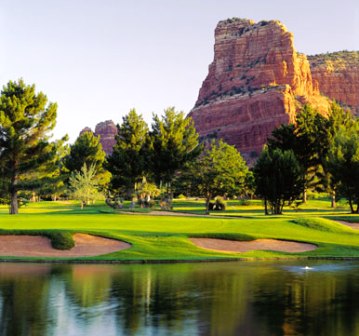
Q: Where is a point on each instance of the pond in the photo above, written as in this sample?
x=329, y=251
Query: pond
x=234, y=298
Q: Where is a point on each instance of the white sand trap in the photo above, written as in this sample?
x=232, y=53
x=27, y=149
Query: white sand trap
x=259, y=244
x=37, y=246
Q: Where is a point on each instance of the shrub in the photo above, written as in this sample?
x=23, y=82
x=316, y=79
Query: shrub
x=218, y=204
x=61, y=240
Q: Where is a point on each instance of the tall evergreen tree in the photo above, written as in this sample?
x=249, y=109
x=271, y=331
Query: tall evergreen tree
x=308, y=138
x=311, y=131
x=339, y=119
x=53, y=181
x=343, y=164
x=129, y=161
x=278, y=178
x=283, y=137
x=174, y=142
x=26, y=118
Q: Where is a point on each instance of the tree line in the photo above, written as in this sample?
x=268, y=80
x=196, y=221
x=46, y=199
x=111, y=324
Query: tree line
x=314, y=153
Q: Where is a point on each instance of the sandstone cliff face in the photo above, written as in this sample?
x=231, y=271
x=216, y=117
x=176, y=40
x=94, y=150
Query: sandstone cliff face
x=256, y=81
x=107, y=131
x=337, y=76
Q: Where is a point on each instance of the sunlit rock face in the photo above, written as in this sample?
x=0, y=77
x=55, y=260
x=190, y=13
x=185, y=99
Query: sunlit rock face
x=256, y=82
x=107, y=131
x=337, y=76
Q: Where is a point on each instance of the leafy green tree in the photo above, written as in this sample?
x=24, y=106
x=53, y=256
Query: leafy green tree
x=26, y=118
x=129, y=160
x=87, y=150
x=220, y=170
x=343, y=164
x=84, y=185
x=174, y=143
x=279, y=179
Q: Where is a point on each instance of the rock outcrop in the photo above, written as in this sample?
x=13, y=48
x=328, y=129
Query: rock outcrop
x=256, y=82
x=337, y=76
x=107, y=131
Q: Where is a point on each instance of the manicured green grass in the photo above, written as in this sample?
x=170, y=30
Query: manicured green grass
x=166, y=237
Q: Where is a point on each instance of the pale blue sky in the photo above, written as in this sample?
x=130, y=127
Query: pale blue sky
x=99, y=58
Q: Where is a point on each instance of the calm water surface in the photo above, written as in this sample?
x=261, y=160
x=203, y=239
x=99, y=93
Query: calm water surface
x=239, y=298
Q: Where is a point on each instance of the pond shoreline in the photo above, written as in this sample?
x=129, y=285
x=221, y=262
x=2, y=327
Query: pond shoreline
x=169, y=261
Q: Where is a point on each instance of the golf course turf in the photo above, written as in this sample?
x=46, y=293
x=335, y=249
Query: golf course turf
x=167, y=238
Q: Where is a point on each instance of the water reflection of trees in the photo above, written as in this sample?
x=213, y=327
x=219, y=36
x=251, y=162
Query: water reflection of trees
x=312, y=303
x=204, y=299
x=23, y=290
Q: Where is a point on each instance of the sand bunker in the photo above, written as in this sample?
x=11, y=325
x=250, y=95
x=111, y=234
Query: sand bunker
x=37, y=246
x=354, y=226
x=259, y=244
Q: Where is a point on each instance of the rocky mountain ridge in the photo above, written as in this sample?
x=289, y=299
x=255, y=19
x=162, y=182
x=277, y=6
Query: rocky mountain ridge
x=256, y=82
x=337, y=76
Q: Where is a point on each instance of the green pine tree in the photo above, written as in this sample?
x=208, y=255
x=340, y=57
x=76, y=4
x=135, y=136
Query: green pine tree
x=26, y=118
x=278, y=178
x=129, y=161
x=174, y=142
x=87, y=149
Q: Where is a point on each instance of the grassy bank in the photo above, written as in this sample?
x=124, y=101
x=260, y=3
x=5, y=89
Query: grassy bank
x=166, y=237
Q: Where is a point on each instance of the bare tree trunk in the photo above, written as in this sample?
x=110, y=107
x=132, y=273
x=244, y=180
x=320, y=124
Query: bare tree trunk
x=333, y=202
x=351, y=206
x=14, y=206
x=305, y=195
x=265, y=206
x=208, y=199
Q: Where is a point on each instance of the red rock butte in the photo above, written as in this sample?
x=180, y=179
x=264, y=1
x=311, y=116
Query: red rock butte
x=258, y=81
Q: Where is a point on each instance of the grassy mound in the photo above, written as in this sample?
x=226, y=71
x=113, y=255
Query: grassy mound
x=322, y=224
x=225, y=236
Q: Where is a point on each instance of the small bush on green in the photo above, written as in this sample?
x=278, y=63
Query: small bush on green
x=61, y=240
